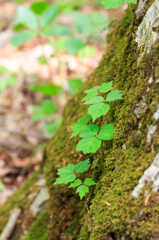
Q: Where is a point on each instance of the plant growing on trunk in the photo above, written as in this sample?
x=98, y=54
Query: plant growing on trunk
x=91, y=135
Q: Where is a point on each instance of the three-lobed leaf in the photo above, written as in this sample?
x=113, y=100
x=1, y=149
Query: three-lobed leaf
x=87, y=118
x=90, y=95
x=66, y=174
x=106, y=133
x=77, y=128
x=116, y=3
x=89, y=182
x=82, y=190
x=89, y=131
x=94, y=100
x=114, y=95
x=112, y=3
x=76, y=183
x=82, y=166
x=80, y=121
x=92, y=89
x=65, y=178
x=69, y=169
x=106, y=87
x=89, y=145
x=98, y=110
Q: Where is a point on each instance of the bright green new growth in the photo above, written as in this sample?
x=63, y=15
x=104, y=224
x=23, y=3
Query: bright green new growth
x=91, y=135
x=68, y=174
x=116, y=3
x=77, y=127
x=99, y=106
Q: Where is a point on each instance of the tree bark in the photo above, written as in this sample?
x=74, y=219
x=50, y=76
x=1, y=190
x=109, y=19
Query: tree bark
x=124, y=204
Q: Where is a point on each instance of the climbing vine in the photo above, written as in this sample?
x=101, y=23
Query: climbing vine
x=91, y=135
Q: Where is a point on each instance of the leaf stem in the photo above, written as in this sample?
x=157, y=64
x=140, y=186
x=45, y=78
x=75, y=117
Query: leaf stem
x=87, y=207
x=100, y=150
x=129, y=5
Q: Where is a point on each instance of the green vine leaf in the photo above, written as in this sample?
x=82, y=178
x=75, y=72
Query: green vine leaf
x=92, y=137
x=81, y=120
x=76, y=183
x=112, y=3
x=92, y=92
x=87, y=118
x=89, y=145
x=82, y=190
x=131, y=1
x=94, y=100
x=65, y=178
x=77, y=127
x=114, y=95
x=89, y=182
x=90, y=95
x=106, y=87
x=89, y=131
x=106, y=133
x=97, y=110
x=82, y=166
x=92, y=89
x=65, y=170
x=67, y=174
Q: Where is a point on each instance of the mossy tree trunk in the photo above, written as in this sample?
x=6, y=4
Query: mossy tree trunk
x=125, y=202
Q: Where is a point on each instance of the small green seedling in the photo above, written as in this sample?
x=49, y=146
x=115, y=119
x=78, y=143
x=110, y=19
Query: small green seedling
x=92, y=136
x=68, y=175
x=33, y=21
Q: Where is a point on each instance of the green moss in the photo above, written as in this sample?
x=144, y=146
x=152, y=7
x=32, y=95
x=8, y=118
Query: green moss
x=20, y=200
x=113, y=211
x=39, y=228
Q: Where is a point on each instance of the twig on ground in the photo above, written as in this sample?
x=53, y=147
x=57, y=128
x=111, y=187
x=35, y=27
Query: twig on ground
x=7, y=231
